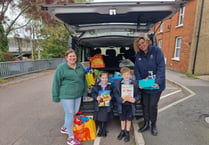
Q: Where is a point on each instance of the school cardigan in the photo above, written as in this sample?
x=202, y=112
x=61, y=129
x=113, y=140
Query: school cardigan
x=117, y=95
x=95, y=92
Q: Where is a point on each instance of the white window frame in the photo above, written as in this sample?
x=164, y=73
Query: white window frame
x=160, y=42
x=181, y=16
x=161, y=28
x=177, y=51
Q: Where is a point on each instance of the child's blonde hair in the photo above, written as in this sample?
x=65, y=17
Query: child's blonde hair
x=125, y=70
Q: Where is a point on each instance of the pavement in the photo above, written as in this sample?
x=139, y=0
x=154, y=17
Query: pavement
x=178, y=79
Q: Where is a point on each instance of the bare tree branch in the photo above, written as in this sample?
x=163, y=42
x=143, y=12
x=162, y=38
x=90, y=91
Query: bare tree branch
x=5, y=6
x=22, y=26
x=8, y=30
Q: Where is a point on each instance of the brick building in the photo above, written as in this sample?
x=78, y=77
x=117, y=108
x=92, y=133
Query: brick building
x=184, y=38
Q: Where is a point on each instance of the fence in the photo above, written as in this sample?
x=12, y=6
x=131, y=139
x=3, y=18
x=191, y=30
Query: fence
x=15, y=68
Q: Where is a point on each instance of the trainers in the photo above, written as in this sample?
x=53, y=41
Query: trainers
x=64, y=130
x=73, y=141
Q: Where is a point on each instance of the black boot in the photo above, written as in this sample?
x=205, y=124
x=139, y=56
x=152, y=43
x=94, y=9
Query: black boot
x=104, y=131
x=100, y=132
x=100, y=129
x=154, y=129
x=121, y=135
x=127, y=136
x=144, y=127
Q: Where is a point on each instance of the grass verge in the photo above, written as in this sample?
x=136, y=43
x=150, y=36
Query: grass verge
x=191, y=75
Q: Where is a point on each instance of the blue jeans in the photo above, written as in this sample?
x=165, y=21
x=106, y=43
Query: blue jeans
x=71, y=107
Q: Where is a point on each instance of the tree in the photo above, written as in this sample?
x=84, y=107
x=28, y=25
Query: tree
x=55, y=35
x=3, y=39
x=3, y=42
x=9, y=22
x=17, y=16
x=30, y=10
x=55, y=40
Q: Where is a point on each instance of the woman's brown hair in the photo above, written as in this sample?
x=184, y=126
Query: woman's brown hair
x=70, y=50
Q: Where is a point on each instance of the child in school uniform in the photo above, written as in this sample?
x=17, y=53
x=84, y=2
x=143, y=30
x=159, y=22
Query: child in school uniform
x=126, y=104
x=102, y=108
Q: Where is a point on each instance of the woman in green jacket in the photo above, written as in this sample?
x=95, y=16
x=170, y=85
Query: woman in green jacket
x=69, y=85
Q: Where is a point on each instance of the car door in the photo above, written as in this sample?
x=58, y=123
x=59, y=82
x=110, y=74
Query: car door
x=105, y=19
x=138, y=16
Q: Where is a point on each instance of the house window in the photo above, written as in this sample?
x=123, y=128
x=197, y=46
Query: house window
x=161, y=27
x=177, y=49
x=181, y=16
x=160, y=43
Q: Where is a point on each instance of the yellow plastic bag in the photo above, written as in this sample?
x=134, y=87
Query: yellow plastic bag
x=85, y=131
x=90, y=79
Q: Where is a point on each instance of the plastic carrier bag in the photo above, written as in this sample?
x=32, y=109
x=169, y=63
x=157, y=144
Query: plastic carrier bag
x=90, y=79
x=126, y=63
x=97, y=61
x=86, y=131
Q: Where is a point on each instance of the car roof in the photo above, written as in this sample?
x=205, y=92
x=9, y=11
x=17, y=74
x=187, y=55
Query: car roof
x=105, y=19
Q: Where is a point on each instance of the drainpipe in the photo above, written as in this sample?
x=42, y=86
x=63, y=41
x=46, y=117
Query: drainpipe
x=198, y=35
